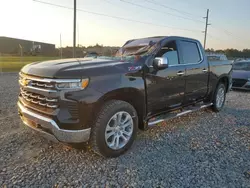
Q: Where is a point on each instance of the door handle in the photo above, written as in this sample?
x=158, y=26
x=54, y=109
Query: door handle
x=204, y=70
x=180, y=73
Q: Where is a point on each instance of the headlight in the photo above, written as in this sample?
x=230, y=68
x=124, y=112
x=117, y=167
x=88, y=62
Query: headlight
x=73, y=85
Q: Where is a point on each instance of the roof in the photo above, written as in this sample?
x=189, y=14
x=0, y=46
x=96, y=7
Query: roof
x=154, y=39
x=3, y=37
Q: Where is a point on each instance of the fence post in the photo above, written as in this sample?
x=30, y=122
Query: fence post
x=1, y=64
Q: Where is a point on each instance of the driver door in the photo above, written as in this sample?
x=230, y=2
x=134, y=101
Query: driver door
x=165, y=88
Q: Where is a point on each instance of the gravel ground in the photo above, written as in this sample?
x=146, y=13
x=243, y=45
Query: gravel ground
x=203, y=149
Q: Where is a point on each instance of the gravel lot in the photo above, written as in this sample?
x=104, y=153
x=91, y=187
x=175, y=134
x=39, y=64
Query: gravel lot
x=203, y=149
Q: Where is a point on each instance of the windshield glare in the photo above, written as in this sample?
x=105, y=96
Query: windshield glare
x=242, y=66
x=139, y=47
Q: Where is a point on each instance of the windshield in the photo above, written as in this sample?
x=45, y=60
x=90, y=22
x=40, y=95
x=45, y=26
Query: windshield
x=139, y=47
x=134, y=50
x=242, y=66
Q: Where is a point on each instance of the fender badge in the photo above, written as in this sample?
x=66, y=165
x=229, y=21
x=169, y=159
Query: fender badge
x=134, y=68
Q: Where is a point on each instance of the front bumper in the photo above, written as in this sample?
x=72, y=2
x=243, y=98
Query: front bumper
x=49, y=128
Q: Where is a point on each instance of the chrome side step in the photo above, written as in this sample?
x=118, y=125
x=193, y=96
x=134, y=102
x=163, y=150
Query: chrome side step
x=171, y=115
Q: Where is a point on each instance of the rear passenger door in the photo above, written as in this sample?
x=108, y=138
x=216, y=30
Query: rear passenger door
x=196, y=70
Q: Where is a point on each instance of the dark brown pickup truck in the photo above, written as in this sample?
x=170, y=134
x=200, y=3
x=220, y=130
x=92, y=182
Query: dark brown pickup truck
x=104, y=100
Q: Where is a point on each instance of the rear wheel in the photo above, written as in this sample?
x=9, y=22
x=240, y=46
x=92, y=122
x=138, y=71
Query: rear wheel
x=115, y=129
x=219, y=97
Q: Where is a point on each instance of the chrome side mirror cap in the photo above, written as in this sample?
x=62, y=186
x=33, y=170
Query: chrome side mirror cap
x=160, y=63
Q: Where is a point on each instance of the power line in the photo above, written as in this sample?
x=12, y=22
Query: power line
x=229, y=33
x=171, y=8
x=169, y=14
x=116, y=17
x=225, y=31
x=107, y=1
x=219, y=39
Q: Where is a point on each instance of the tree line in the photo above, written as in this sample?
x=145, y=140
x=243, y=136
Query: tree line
x=232, y=53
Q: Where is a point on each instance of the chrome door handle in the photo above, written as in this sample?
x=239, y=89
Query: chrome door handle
x=204, y=70
x=180, y=73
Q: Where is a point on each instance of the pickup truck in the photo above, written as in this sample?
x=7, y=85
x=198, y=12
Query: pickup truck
x=103, y=101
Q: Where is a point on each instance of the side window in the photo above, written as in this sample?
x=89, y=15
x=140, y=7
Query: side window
x=190, y=52
x=169, y=51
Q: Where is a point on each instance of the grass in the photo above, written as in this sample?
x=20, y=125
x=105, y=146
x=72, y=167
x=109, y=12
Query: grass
x=15, y=63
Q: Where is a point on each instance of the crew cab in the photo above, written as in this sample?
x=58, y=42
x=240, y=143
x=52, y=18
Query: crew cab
x=104, y=101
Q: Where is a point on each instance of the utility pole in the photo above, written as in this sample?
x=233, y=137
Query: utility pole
x=207, y=24
x=78, y=35
x=60, y=46
x=74, y=33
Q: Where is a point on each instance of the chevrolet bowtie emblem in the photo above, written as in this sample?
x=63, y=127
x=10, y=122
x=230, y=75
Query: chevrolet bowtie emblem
x=26, y=82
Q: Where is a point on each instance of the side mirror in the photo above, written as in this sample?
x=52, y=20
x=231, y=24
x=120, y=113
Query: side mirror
x=160, y=63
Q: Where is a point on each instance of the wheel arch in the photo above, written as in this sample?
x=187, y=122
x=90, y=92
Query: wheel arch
x=225, y=80
x=133, y=96
x=222, y=79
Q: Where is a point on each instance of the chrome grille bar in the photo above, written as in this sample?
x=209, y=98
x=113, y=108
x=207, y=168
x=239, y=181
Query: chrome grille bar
x=47, y=80
x=52, y=106
x=51, y=100
x=39, y=99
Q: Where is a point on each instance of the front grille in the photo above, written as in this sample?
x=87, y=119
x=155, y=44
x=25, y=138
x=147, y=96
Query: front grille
x=38, y=99
x=35, y=82
x=239, y=82
x=42, y=95
x=34, y=92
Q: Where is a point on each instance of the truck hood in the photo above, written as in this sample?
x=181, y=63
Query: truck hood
x=241, y=74
x=74, y=68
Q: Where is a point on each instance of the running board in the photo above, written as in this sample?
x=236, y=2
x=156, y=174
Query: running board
x=171, y=115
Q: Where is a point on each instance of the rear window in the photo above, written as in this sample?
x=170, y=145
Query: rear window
x=242, y=66
x=190, y=52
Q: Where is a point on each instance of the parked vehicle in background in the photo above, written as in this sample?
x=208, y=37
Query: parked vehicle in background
x=241, y=75
x=216, y=56
x=241, y=59
x=92, y=54
x=105, y=100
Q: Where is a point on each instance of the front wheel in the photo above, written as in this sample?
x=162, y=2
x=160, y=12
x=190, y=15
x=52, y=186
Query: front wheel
x=219, y=97
x=115, y=129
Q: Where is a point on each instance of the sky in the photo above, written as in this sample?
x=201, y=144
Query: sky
x=31, y=20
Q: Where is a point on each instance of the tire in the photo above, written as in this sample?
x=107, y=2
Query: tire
x=106, y=132
x=219, y=97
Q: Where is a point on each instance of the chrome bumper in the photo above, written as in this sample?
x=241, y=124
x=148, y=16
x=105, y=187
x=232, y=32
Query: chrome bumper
x=48, y=127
